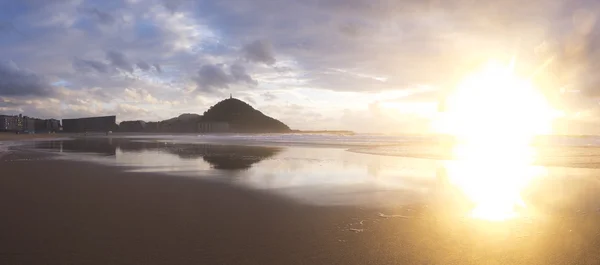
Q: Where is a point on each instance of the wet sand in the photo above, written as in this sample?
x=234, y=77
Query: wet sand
x=8, y=136
x=69, y=212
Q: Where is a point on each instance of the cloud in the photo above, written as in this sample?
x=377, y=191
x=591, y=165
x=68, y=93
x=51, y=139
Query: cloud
x=260, y=52
x=143, y=65
x=119, y=60
x=100, y=16
x=173, y=5
x=214, y=76
x=158, y=68
x=269, y=96
x=238, y=72
x=139, y=95
x=375, y=119
x=87, y=65
x=7, y=103
x=15, y=81
x=128, y=111
x=350, y=29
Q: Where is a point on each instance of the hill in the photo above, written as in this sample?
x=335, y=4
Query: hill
x=243, y=118
x=185, y=123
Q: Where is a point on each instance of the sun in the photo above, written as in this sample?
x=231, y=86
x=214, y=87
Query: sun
x=494, y=114
x=495, y=102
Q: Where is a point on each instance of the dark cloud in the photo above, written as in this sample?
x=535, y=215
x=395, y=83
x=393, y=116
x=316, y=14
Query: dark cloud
x=260, y=52
x=214, y=76
x=158, y=68
x=119, y=60
x=20, y=82
x=238, y=72
x=173, y=5
x=143, y=65
x=100, y=16
x=87, y=65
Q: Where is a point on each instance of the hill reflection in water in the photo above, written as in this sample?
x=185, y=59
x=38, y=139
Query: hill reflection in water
x=311, y=174
x=224, y=157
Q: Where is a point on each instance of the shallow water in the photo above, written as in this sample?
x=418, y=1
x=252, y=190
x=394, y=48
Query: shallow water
x=376, y=175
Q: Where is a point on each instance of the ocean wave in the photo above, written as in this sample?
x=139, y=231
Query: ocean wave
x=355, y=139
x=292, y=139
x=547, y=155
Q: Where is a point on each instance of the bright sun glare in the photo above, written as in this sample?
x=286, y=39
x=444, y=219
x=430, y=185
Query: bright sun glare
x=494, y=114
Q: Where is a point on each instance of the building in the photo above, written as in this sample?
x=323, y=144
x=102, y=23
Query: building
x=28, y=125
x=53, y=125
x=7, y=123
x=213, y=127
x=11, y=123
x=19, y=122
x=92, y=124
x=47, y=126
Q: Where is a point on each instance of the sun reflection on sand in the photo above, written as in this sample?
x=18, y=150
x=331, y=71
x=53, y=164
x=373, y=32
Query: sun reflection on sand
x=493, y=177
x=494, y=115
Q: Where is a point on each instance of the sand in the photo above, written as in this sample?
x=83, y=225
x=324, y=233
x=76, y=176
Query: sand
x=69, y=212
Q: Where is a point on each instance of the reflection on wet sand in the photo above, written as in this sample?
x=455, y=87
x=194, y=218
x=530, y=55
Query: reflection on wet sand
x=315, y=175
x=489, y=183
x=493, y=177
x=82, y=207
x=226, y=157
x=83, y=145
x=237, y=157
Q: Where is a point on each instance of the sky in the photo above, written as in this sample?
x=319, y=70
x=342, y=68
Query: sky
x=361, y=65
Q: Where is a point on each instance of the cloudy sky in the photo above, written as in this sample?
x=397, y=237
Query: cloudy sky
x=363, y=65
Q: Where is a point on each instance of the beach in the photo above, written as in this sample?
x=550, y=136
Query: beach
x=72, y=211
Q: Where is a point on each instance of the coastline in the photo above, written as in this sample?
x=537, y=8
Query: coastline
x=73, y=212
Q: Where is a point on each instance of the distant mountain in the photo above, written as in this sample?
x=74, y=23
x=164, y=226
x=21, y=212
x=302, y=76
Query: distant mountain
x=185, y=123
x=243, y=117
x=240, y=117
